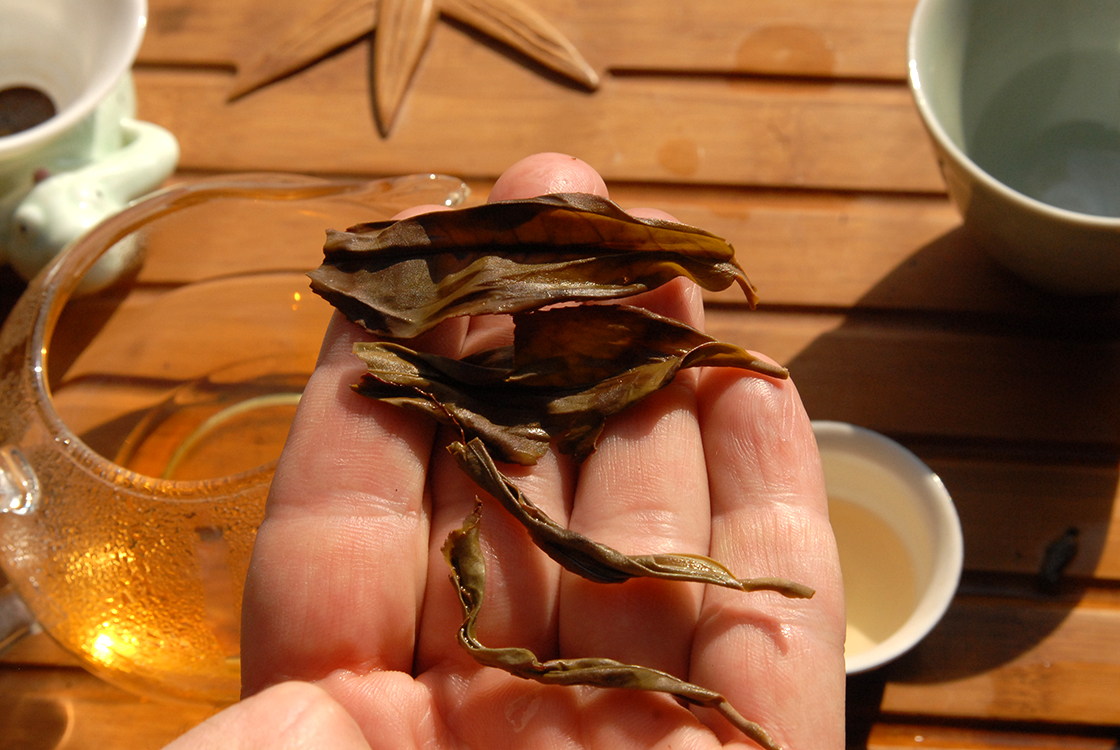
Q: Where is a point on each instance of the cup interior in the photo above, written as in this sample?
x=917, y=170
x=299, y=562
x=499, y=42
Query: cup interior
x=899, y=538
x=73, y=51
x=1022, y=92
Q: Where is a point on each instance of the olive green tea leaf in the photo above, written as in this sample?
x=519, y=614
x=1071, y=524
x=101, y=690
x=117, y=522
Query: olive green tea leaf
x=468, y=573
x=592, y=560
x=568, y=370
x=401, y=278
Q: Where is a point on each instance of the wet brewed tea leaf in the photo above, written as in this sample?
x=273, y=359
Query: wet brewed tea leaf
x=464, y=554
x=568, y=370
x=401, y=278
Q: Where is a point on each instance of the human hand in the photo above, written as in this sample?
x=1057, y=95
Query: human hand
x=348, y=587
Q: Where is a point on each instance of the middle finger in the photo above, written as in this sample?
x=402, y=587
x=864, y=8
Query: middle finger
x=643, y=491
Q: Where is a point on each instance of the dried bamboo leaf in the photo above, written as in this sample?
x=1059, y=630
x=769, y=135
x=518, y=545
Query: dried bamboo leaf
x=403, y=30
x=399, y=279
x=326, y=27
x=569, y=369
x=464, y=554
x=592, y=560
x=522, y=28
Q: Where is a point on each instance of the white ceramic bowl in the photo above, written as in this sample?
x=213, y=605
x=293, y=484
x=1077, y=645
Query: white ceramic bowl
x=1020, y=103
x=899, y=537
x=73, y=50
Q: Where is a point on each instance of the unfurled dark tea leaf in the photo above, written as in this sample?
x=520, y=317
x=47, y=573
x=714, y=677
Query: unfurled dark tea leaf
x=569, y=369
x=464, y=554
x=401, y=278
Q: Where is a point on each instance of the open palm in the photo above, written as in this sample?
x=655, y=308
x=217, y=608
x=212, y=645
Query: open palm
x=349, y=589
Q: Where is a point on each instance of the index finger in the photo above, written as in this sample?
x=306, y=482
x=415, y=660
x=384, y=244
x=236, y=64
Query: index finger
x=348, y=495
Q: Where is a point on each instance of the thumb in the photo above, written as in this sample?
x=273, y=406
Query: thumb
x=287, y=716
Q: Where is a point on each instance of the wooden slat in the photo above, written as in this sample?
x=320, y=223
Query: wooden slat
x=38, y=649
x=949, y=382
x=956, y=391
x=861, y=39
x=801, y=249
x=44, y=707
x=1011, y=510
x=661, y=129
x=890, y=736
x=1015, y=659
x=807, y=249
x=989, y=414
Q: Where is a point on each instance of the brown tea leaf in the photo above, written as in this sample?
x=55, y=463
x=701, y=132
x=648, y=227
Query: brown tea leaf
x=569, y=369
x=464, y=554
x=401, y=278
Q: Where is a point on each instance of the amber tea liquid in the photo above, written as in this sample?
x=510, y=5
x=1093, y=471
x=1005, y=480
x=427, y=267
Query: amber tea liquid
x=879, y=580
x=154, y=566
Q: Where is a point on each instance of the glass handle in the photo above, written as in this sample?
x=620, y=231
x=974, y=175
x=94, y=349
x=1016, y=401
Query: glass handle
x=19, y=494
x=19, y=487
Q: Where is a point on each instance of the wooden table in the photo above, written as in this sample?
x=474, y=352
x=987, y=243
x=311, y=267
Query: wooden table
x=786, y=126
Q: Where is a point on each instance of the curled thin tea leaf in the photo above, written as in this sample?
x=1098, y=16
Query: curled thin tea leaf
x=401, y=278
x=592, y=560
x=468, y=572
x=569, y=369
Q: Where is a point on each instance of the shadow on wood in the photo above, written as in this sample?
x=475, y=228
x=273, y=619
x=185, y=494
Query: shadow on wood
x=1017, y=412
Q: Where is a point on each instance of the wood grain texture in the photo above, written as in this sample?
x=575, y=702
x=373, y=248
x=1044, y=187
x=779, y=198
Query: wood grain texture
x=1021, y=660
x=862, y=39
x=707, y=130
x=946, y=382
x=42, y=708
x=909, y=736
x=858, y=251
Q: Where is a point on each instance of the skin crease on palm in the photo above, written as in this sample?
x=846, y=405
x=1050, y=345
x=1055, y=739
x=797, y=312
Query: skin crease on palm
x=349, y=622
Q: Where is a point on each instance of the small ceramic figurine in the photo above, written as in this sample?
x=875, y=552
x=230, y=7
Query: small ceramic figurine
x=55, y=194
